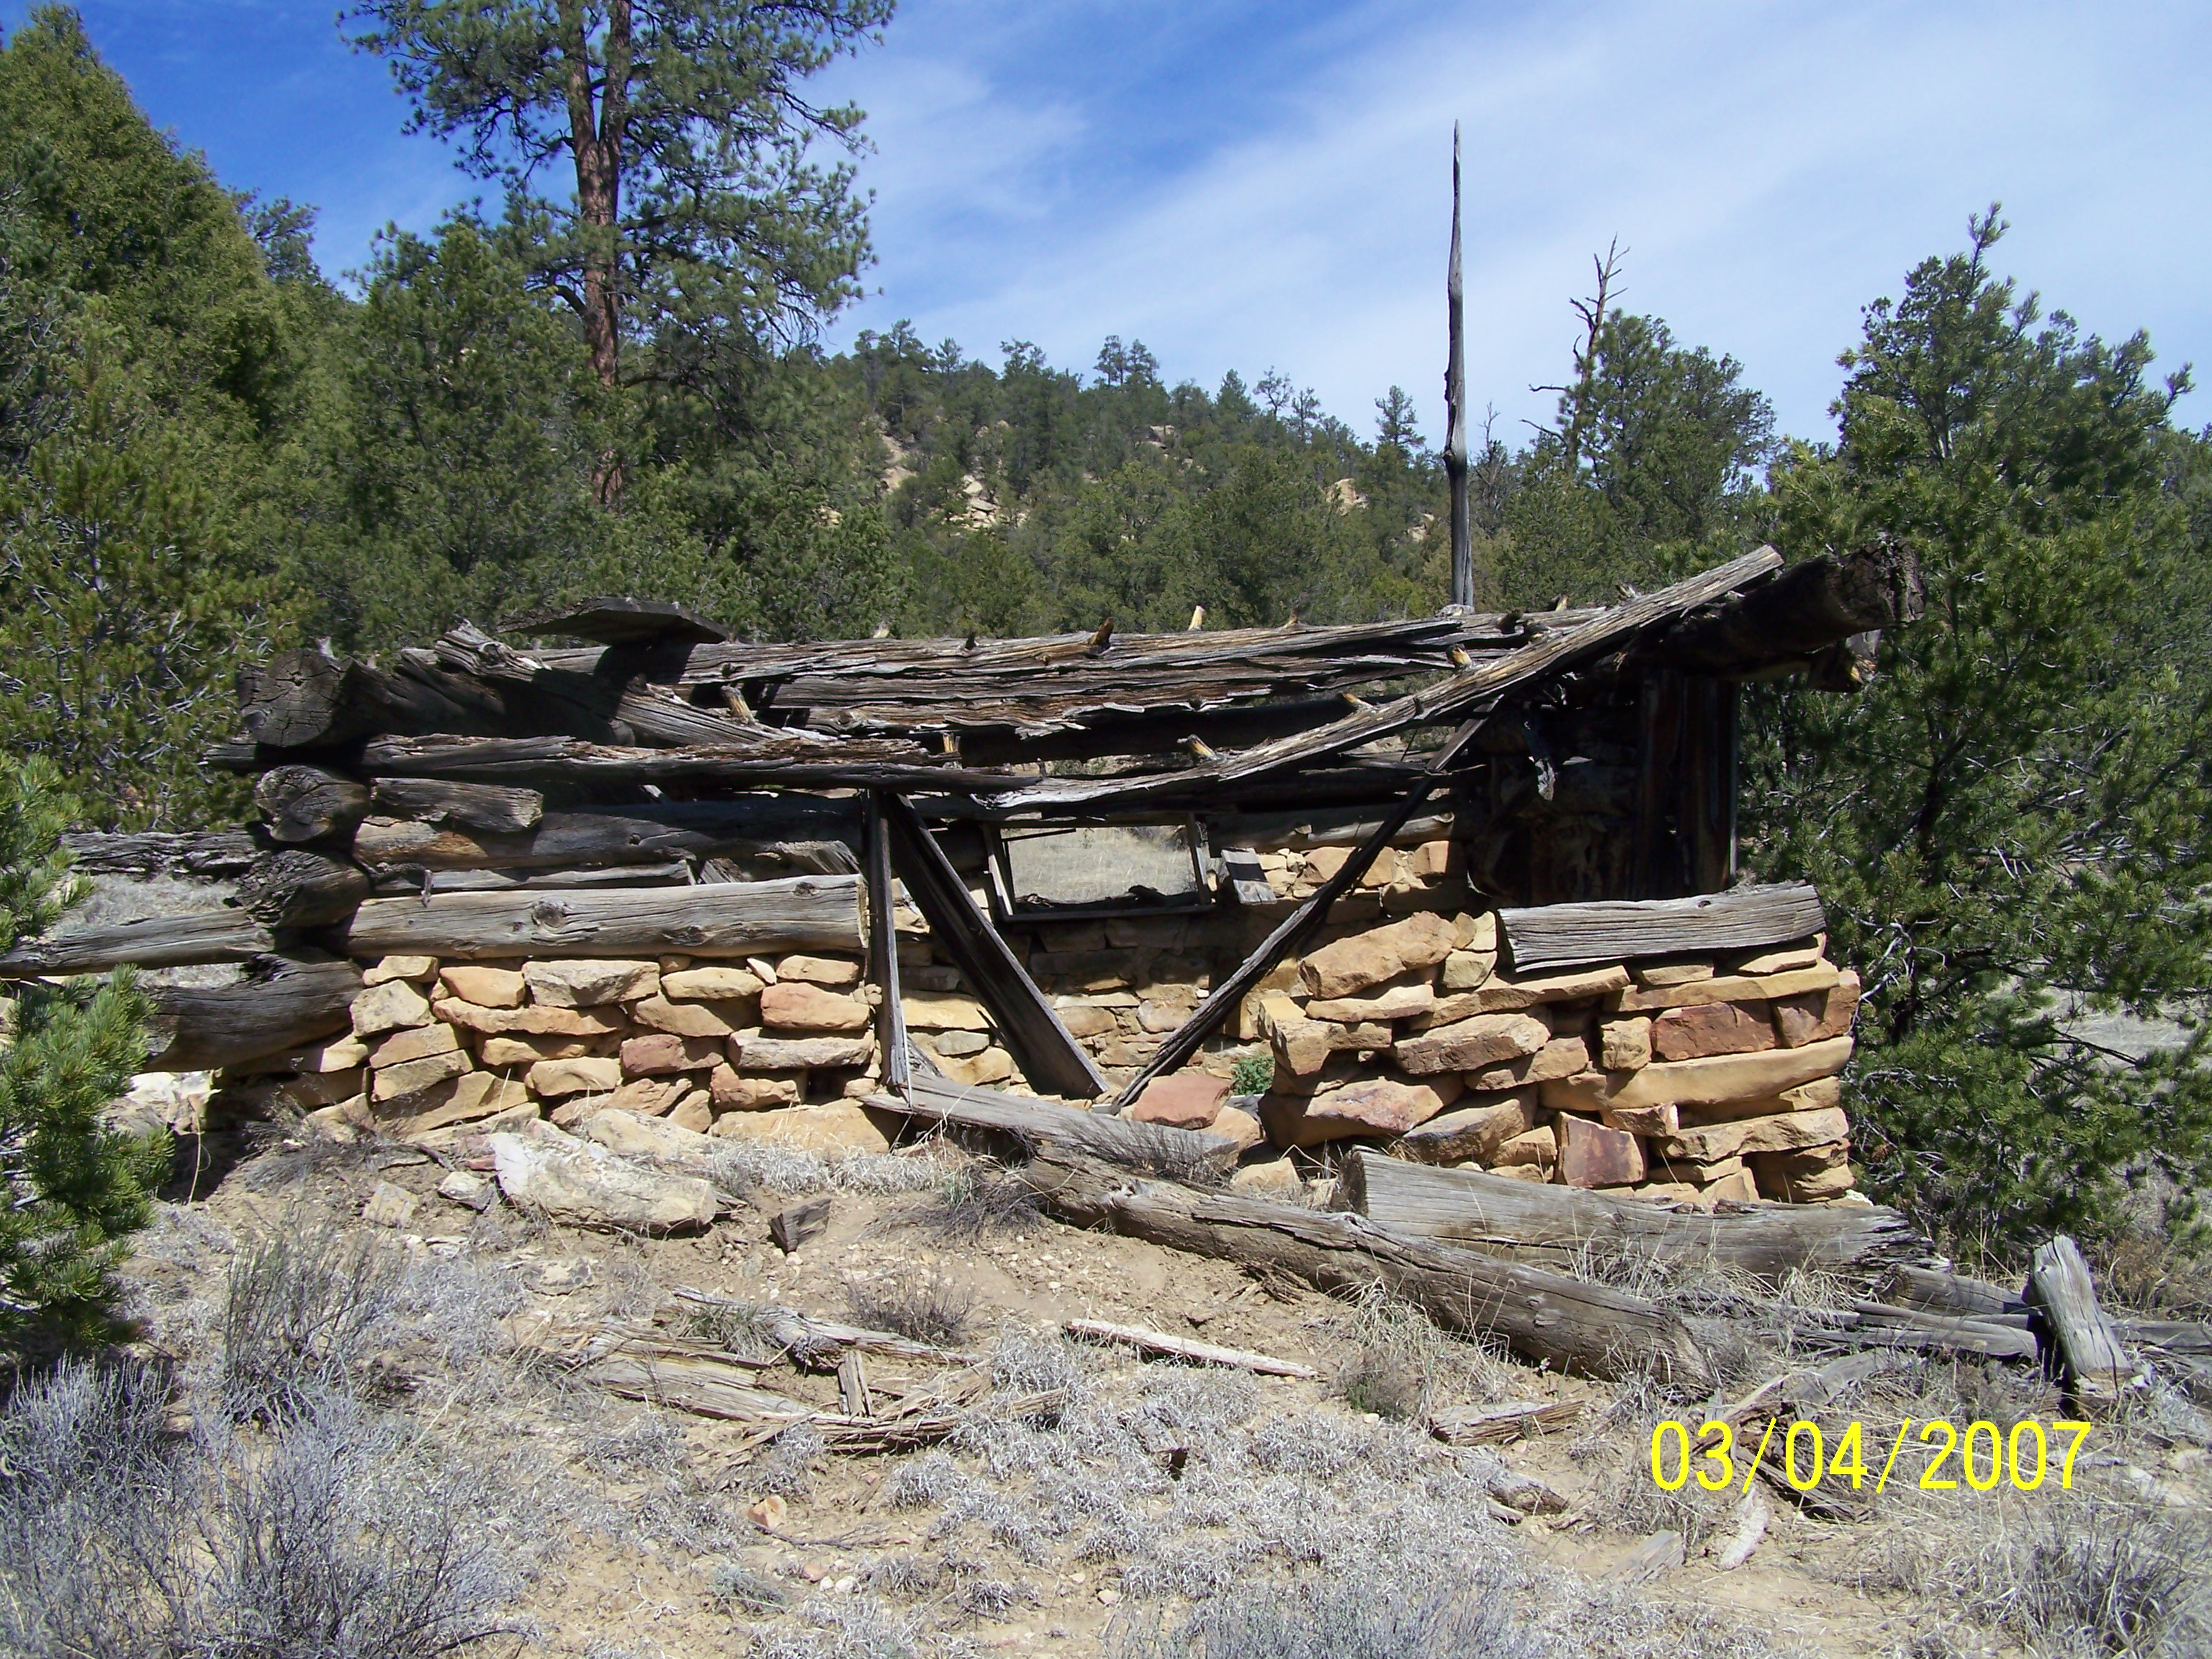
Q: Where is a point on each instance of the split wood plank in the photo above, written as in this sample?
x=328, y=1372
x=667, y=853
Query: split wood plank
x=799, y=1223
x=1542, y=1315
x=1052, y=1061
x=1181, y=1347
x=1293, y=931
x=726, y=919
x=815, y=1344
x=1043, y=1125
x=883, y=952
x=2096, y=1361
x=1491, y=1425
x=1486, y=1212
x=201, y=1029
x=154, y=942
x=1625, y=930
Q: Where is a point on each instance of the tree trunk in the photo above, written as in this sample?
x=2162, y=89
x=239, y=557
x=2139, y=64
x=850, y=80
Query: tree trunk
x=595, y=140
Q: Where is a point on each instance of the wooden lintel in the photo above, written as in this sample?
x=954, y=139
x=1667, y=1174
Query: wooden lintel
x=1623, y=930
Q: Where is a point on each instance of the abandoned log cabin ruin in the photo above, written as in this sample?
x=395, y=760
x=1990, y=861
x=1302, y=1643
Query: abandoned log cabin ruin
x=1466, y=883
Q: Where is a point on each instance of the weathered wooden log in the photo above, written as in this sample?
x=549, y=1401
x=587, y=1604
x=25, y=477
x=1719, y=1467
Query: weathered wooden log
x=1043, y=1126
x=643, y=833
x=1623, y=930
x=1543, y=1316
x=199, y=1029
x=1162, y=1346
x=728, y=919
x=462, y=805
x=2095, y=1360
x=882, y=953
x=306, y=802
x=214, y=936
x=392, y=878
x=311, y=699
x=1933, y=1290
x=1557, y=1223
x=1052, y=1061
x=204, y=855
x=1798, y=613
x=602, y=707
x=295, y=888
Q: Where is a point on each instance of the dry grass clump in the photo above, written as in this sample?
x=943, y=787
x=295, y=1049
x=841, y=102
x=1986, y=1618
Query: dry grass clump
x=1402, y=1365
x=922, y=1307
x=305, y=1314
x=1330, y=1620
x=332, y=1532
x=974, y=1201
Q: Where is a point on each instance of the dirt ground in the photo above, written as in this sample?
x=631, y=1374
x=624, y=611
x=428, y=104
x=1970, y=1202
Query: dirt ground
x=642, y=1530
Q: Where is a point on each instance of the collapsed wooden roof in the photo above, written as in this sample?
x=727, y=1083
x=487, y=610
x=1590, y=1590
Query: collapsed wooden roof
x=1158, y=723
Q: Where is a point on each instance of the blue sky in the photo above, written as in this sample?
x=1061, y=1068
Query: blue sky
x=1252, y=185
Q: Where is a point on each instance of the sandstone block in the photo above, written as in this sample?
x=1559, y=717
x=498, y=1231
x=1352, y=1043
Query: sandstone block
x=1649, y=974
x=1745, y=1136
x=1268, y=1178
x=419, y=968
x=1466, y=970
x=1667, y=1192
x=1158, y=1018
x=1400, y=1000
x=1536, y=1148
x=1500, y=995
x=1471, y=1131
x=1301, y=1046
x=1562, y=1057
x=635, y=1135
x=663, y=1052
x=1234, y=1123
x=500, y=1051
x=552, y=1080
x=418, y=1043
x=531, y=1021
x=1784, y=959
x=479, y=1095
x=695, y=1112
x=1737, y=1186
x=588, y=983
x=1723, y=987
x=1373, y=1106
x=1472, y=1044
x=978, y=1071
x=938, y=1012
x=576, y=1182
x=727, y=1091
x=1813, y=1015
x=389, y=1205
x=1642, y=1120
x=1664, y=1168
x=1624, y=1044
x=310, y=1090
x=1591, y=1155
x=1431, y=859
x=1351, y=965
x=1720, y=1079
x=817, y=971
x=756, y=1053
x=712, y=984
x=488, y=988
x=1083, y=1019
x=954, y=1045
x=693, y=1020
x=832, y=1129
x=412, y=1076
x=1185, y=1099
x=391, y=1007
x=1711, y=1028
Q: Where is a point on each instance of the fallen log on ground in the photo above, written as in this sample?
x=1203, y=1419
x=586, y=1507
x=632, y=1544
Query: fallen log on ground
x=199, y=1029
x=726, y=919
x=1493, y=1426
x=1554, y=1224
x=1042, y=1126
x=1160, y=1344
x=1541, y=1315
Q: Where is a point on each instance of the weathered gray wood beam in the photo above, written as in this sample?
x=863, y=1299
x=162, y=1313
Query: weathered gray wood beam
x=1623, y=930
x=724, y=919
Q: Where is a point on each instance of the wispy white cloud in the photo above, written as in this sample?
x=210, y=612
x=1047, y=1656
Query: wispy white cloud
x=1772, y=168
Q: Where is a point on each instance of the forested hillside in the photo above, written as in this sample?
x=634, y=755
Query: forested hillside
x=210, y=448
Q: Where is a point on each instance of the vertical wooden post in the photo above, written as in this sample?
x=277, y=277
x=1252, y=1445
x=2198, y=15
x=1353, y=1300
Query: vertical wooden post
x=1462, y=538
x=883, y=952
